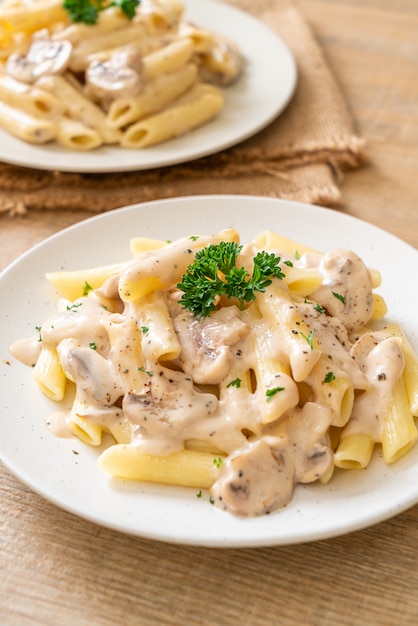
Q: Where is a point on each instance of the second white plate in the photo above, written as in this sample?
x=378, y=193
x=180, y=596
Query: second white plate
x=252, y=103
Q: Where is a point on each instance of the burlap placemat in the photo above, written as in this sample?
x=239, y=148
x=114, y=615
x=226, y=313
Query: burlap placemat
x=299, y=156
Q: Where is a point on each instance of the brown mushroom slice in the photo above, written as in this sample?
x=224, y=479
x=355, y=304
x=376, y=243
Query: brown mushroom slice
x=120, y=76
x=222, y=64
x=43, y=57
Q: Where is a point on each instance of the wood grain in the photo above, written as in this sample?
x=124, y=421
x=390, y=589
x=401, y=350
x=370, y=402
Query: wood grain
x=58, y=570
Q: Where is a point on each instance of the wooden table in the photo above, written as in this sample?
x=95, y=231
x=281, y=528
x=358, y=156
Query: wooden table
x=56, y=569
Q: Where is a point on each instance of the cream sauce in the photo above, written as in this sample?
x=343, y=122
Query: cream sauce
x=383, y=365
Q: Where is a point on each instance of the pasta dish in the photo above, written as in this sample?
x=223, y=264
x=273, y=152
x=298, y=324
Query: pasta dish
x=242, y=369
x=133, y=75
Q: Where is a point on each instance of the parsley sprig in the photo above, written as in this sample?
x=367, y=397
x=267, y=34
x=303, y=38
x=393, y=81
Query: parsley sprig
x=87, y=11
x=214, y=273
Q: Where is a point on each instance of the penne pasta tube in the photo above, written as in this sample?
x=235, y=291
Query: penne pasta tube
x=26, y=126
x=379, y=307
x=175, y=121
x=275, y=389
x=302, y=351
x=87, y=431
x=156, y=95
x=29, y=17
x=168, y=59
x=109, y=20
x=126, y=354
x=161, y=340
x=187, y=468
x=77, y=136
x=35, y=101
x=269, y=240
x=133, y=33
x=399, y=433
x=354, y=451
x=160, y=15
x=73, y=284
x=49, y=375
x=79, y=107
x=410, y=373
x=144, y=244
x=202, y=39
x=332, y=387
x=302, y=281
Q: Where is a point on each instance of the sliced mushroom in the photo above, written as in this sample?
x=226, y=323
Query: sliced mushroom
x=43, y=57
x=222, y=64
x=118, y=77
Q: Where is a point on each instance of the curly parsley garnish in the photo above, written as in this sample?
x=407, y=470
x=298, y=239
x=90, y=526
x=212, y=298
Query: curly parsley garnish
x=214, y=274
x=87, y=11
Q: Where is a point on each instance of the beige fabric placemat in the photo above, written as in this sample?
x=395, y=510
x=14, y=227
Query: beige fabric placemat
x=299, y=156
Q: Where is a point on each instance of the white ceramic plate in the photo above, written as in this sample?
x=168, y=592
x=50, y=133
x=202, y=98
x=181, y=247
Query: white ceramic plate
x=252, y=103
x=64, y=470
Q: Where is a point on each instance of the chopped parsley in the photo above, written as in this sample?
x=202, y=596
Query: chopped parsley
x=297, y=255
x=272, y=392
x=86, y=288
x=144, y=329
x=199, y=494
x=73, y=307
x=87, y=11
x=218, y=462
x=93, y=345
x=142, y=369
x=288, y=263
x=214, y=274
x=234, y=383
x=339, y=297
x=319, y=308
x=39, y=328
x=308, y=338
x=329, y=377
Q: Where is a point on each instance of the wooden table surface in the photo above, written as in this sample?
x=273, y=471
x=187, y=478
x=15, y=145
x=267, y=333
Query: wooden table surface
x=56, y=569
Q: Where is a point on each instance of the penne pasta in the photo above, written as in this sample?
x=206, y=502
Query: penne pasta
x=187, y=468
x=77, y=136
x=35, y=101
x=399, y=429
x=167, y=59
x=354, y=451
x=76, y=283
x=178, y=119
x=26, y=126
x=80, y=108
x=49, y=375
x=156, y=95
